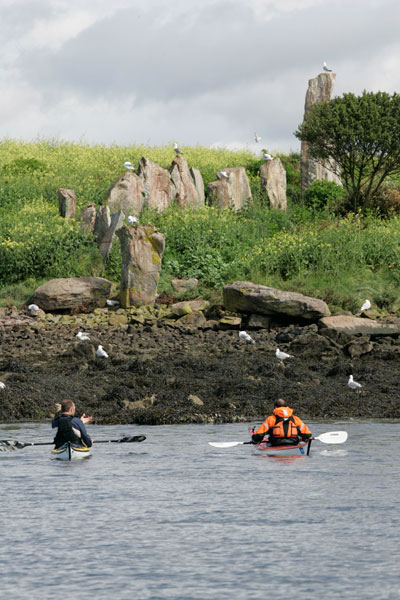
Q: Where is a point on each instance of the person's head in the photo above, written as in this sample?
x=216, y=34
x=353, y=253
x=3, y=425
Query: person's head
x=68, y=406
x=279, y=402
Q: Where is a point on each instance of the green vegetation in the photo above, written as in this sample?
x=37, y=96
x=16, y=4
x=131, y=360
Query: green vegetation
x=312, y=248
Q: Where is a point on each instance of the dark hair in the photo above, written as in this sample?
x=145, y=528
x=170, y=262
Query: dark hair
x=280, y=402
x=66, y=405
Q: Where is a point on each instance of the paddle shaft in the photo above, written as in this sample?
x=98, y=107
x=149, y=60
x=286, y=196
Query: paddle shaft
x=19, y=445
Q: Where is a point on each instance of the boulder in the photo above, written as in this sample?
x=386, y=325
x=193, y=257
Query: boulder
x=232, y=192
x=186, y=191
x=142, y=248
x=246, y=297
x=273, y=181
x=158, y=190
x=319, y=90
x=344, y=324
x=126, y=194
x=83, y=293
x=188, y=306
x=117, y=221
x=102, y=222
x=88, y=218
x=67, y=203
x=180, y=286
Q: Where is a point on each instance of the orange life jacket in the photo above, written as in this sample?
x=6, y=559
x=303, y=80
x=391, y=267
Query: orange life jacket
x=284, y=427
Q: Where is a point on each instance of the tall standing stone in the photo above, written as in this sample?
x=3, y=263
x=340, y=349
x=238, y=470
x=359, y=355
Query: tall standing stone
x=158, y=190
x=105, y=245
x=273, y=181
x=186, y=191
x=126, y=194
x=66, y=203
x=88, y=218
x=319, y=90
x=142, y=248
x=232, y=192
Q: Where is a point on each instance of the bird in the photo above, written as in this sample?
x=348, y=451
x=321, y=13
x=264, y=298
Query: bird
x=267, y=156
x=326, y=68
x=257, y=138
x=112, y=302
x=243, y=335
x=81, y=335
x=282, y=355
x=222, y=175
x=177, y=150
x=33, y=308
x=353, y=385
x=2, y=385
x=128, y=165
x=366, y=306
x=100, y=352
x=132, y=220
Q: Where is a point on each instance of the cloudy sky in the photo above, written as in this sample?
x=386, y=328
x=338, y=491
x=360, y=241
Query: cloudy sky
x=209, y=72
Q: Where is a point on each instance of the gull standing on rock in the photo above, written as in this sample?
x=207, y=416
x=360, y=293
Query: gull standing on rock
x=177, y=150
x=100, y=352
x=81, y=335
x=282, y=355
x=243, y=335
x=2, y=385
x=132, y=220
x=366, y=306
x=128, y=165
x=326, y=68
x=112, y=302
x=267, y=156
x=222, y=175
x=353, y=385
x=33, y=309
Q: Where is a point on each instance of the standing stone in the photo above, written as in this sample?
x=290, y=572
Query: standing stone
x=142, y=248
x=117, y=221
x=158, y=190
x=102, y=222
x=88, y=218
x=186, y=192
x=66, y=203
x=233, y=192
x=199, y=183
x=126, y=194
x=273, y=181
x=319, y=90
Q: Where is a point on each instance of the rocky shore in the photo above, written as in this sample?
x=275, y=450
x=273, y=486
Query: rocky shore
x=164, y=371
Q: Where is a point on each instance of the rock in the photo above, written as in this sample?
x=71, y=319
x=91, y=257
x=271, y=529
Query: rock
x=195, y=400
x=88, y=218
x=343, y=324
x=186, y=191
x=259, y=322
x=273, y=181
x=102, y=222
x=126, y=194
x=230, y=322
x=233, y=192
x=180, y=286
x=142, y=248
x=358, y=347
x=66, y=203
x=84, y=293
x=193, y=319
x=117, y=221
x=188, y=306
x=246, y=297
x=199, y=183
x=158, y=189
x=319, y=90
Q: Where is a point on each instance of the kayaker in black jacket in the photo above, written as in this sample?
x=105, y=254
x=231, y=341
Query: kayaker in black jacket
x=71, y=428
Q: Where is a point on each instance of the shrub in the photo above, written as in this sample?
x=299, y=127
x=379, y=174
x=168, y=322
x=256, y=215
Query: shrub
x=323, y=194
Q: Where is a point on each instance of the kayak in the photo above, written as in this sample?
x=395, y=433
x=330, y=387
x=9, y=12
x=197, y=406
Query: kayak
x=288, y=450
x=70, y=451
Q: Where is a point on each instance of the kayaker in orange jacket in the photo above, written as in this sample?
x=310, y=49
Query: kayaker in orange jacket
x=282, y=427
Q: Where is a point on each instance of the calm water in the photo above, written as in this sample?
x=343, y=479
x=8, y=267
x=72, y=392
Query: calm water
x=174, y=518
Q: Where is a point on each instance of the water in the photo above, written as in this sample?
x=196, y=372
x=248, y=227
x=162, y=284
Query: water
x=174, y=518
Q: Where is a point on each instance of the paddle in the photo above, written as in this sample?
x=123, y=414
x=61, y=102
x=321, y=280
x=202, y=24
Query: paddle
x=14, y=444
x=331, y=437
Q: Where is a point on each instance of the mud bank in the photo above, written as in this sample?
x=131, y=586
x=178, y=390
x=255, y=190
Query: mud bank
x=159, y=374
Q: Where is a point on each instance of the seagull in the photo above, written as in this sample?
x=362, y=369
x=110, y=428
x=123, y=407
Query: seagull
x=246, y=337
x=366, y=306
x=33, y=308
x=354, y=385
x=128, y=165
x=257, y=137
x=177, y=150
x=81, y=335
x=100, y=352
x=282, y=355
x=267, y=156
x=2, y=386
x=112, y=302
x=132, y=220
x=222, y=175
x=326, y=68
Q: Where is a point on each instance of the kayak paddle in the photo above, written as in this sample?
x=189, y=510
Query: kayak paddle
x=331, y=437
x=14, y=444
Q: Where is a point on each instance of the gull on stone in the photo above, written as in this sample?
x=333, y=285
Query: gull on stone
x=366, y=305
x=177, y=150
x=2, y=385
x=100, y=352
x=243, y=335
x=257, y=138
x=282, y=355
x=33, y=308
x=222, y=175
x=112, y=302
x=326, y=68
x=132, y=220
x=353, y=385
x=81, y=335
x=267, y=156
x=128, y=165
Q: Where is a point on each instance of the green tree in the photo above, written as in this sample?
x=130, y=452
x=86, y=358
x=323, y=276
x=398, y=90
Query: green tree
x=361, y=134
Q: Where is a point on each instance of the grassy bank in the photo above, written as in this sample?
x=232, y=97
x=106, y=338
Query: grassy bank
x=307, y=249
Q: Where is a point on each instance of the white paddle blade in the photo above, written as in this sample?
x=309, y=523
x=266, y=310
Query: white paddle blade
x=225, y=444
x=332, y=437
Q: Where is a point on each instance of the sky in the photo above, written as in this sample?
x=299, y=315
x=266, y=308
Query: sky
x=209, y=72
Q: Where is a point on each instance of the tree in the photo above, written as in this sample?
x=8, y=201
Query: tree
x=360, y=136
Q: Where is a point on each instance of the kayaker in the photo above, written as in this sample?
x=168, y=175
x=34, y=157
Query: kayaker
x=71, y=428
x=283, y=427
